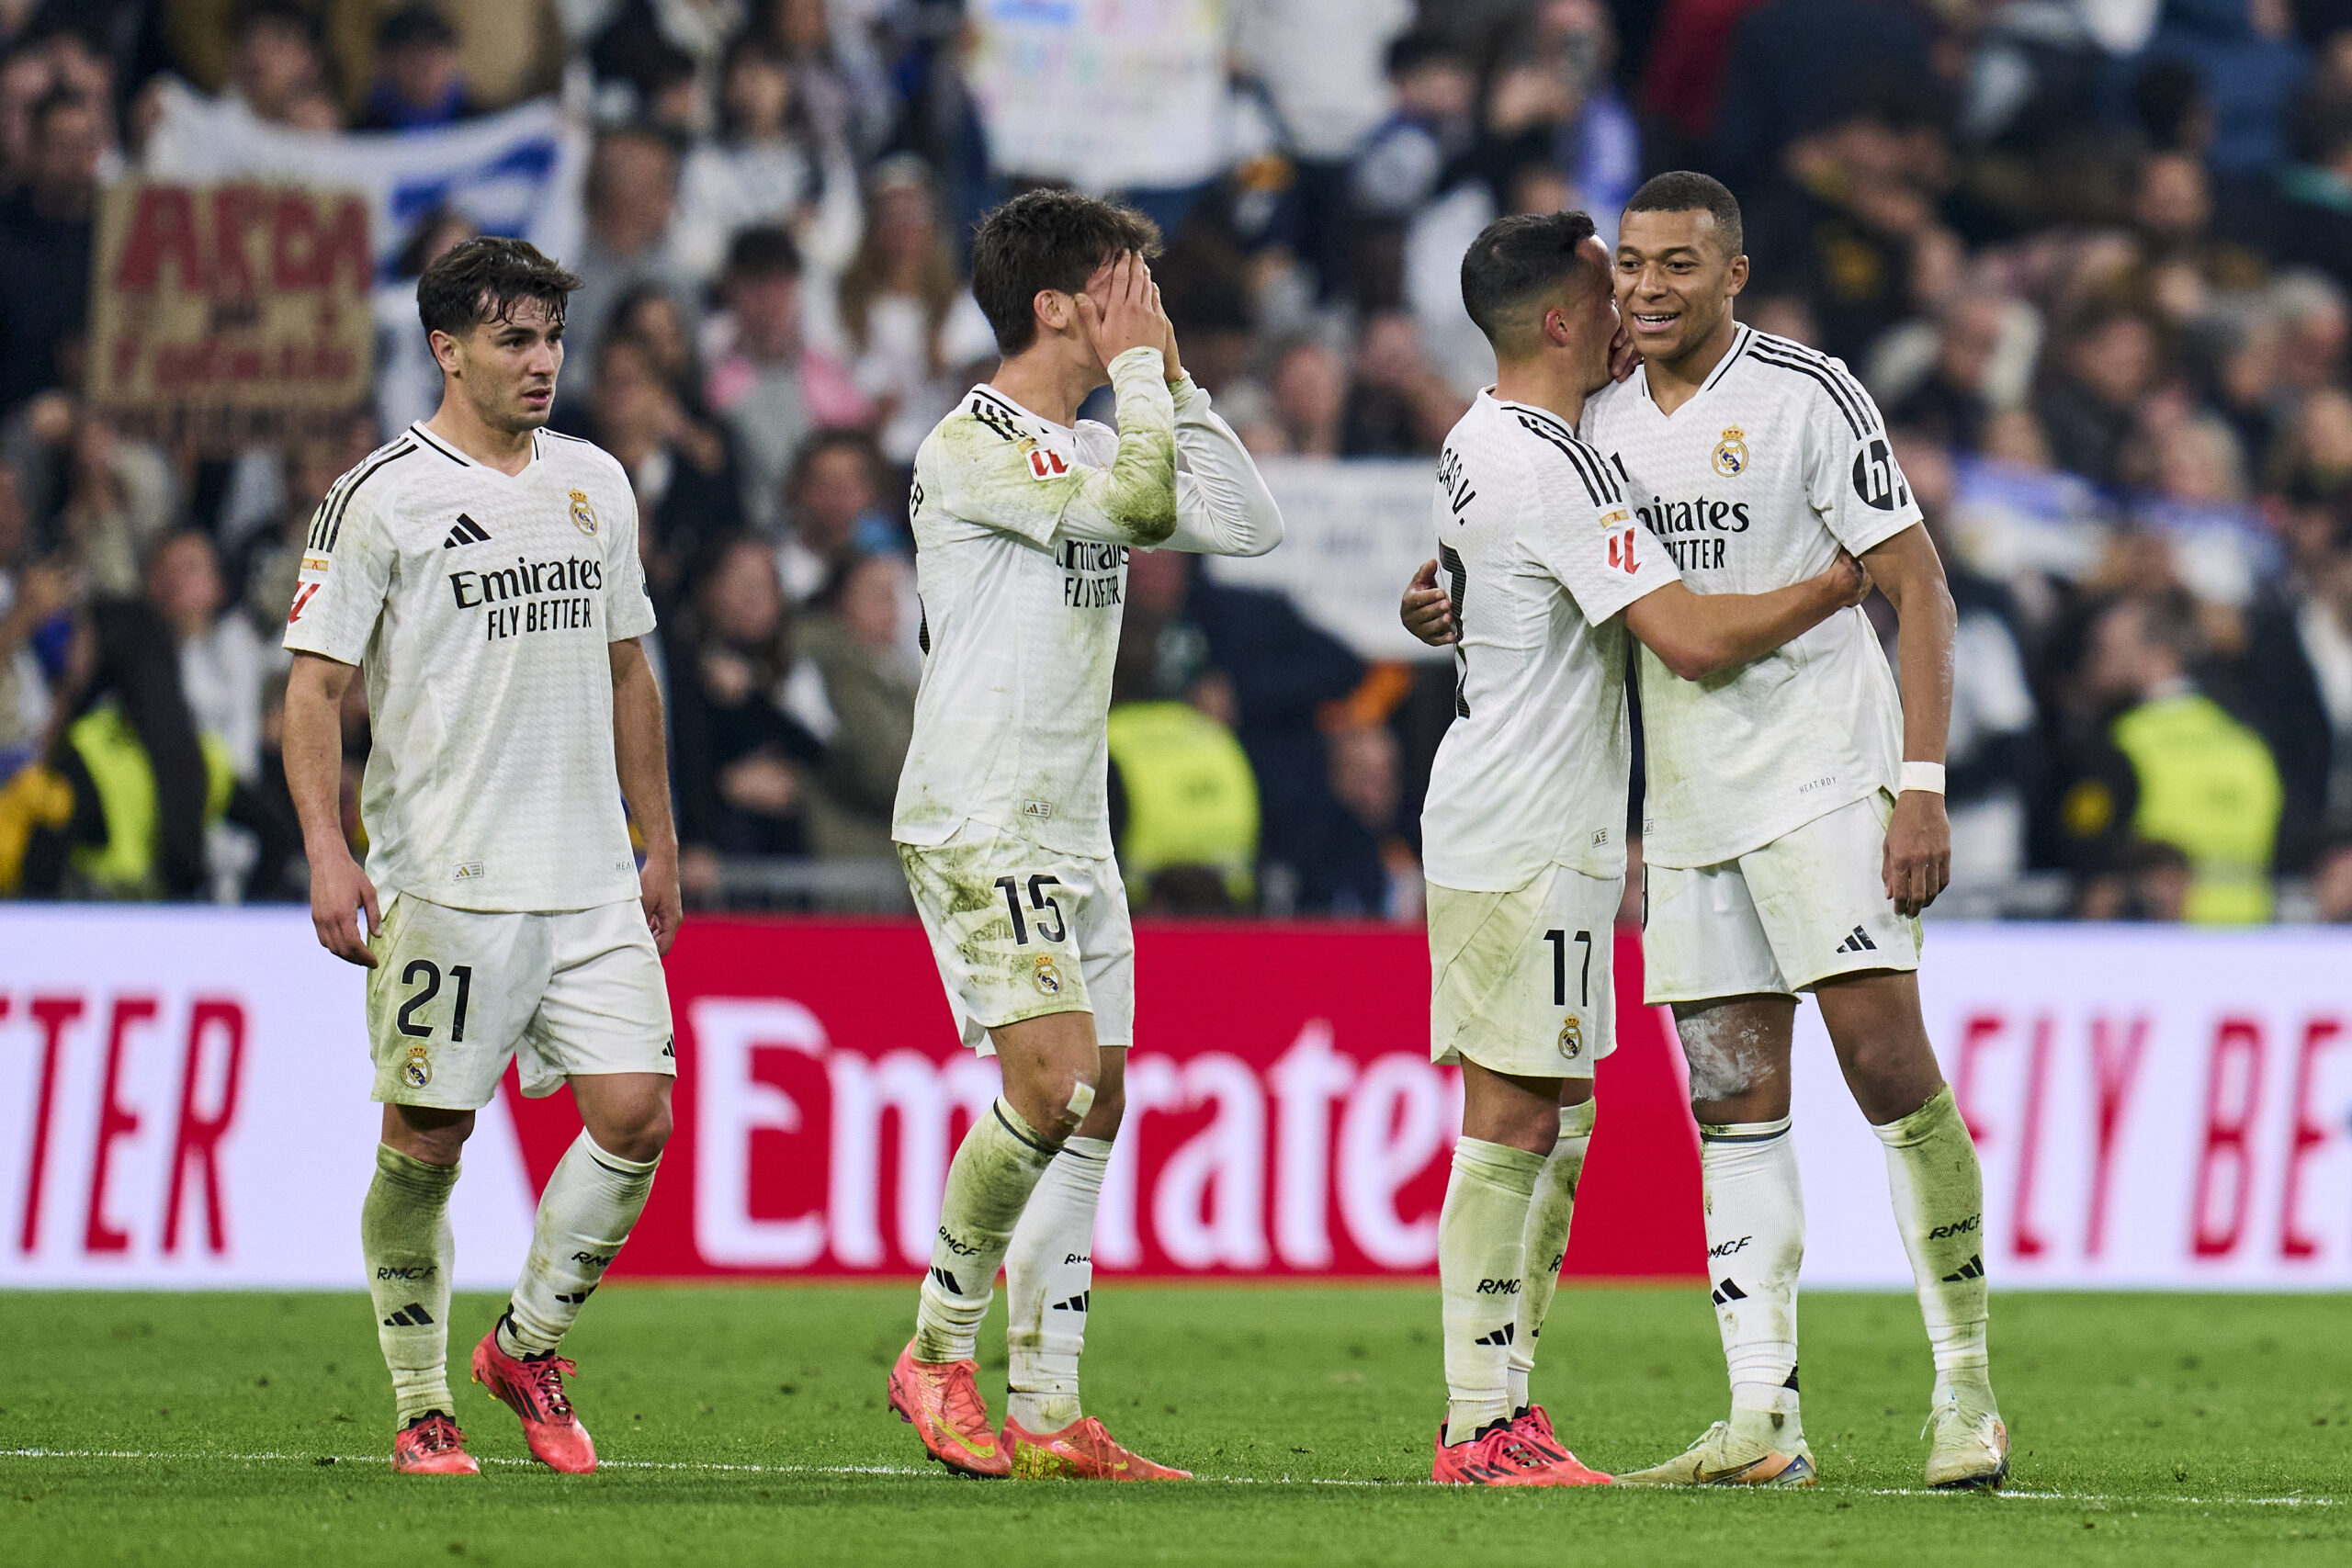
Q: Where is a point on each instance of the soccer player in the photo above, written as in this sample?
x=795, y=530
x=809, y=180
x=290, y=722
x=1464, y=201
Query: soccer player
x=1545, y=572
x=481, y=573
x=1794, y=827
x=1022, y=520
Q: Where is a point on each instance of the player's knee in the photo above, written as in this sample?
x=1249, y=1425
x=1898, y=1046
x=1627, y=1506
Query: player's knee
x=1110, y=1109
x=637, y=1132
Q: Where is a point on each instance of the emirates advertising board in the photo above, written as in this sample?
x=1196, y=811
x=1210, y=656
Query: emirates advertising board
x=183, y=1102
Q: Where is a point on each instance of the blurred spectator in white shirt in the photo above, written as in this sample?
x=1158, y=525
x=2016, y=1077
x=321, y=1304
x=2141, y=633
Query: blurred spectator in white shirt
x=902, y=318
x=769, y=163
x=632, y=196
x=223, y=663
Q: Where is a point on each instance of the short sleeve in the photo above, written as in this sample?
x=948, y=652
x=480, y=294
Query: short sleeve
x=628, y=607
x=1851, y=477
x=347, y=571
x=1581, y=528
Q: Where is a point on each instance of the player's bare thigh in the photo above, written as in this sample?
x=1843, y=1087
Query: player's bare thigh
x=1062, y=1082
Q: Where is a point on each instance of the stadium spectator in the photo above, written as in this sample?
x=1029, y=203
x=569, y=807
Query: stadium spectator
x=632, y=196
x=769, y=163
x=834, y=511
x=278, y=72
x=2194, y=776
x=223, y=663
x=34, y=596
x=2332, y=883
x=855, y=637
x=682, y=469
x=766, y=383
x=901, y=317
x=420, y=73
x=744, y=757
x=45, y=236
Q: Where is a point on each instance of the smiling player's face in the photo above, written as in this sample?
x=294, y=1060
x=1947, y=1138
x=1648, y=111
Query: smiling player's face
x=509, y=366
x=1674, y=281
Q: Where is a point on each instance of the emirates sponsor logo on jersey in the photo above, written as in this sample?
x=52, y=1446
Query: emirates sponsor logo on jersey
x=1693, y=531
x=531, y=596
x=1094, y=574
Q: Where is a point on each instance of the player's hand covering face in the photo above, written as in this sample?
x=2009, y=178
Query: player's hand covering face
x=1120, y=309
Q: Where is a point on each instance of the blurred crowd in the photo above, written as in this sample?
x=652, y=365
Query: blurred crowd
x=2090, y=255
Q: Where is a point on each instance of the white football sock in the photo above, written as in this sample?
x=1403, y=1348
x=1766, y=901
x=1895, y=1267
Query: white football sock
x=1938, y=1193
x=1546, y=1248
x=590, y=1206
x=404, y=1235
x=1048, y=1281
x=1481, y=1256
x=988, y=1184
x=1755, y=1250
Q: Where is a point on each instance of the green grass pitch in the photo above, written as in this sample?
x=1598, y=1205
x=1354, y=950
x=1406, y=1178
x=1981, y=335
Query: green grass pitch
x=746, y=1425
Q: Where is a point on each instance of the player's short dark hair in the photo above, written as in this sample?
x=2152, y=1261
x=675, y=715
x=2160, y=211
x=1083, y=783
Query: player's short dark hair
x=1513, y=259
x=766, y=250
x=483, y=279
x=1047, y=239
x=1687, y=190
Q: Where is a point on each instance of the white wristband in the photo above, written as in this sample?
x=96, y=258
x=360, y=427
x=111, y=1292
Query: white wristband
x=1927, y=776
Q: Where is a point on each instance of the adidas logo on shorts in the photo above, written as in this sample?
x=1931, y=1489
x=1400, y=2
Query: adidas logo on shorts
x=1860, y=941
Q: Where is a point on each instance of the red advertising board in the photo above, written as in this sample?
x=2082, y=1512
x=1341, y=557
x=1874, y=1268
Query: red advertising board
x=1282, y=1116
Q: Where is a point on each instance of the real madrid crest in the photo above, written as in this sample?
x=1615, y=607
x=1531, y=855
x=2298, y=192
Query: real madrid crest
x=417, y=1071
x=1572, y=1038
x=1049, y=979
x=1731, y=453
x=583, y=516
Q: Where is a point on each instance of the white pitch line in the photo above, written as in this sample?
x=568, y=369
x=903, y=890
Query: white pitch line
x=2103, y=1500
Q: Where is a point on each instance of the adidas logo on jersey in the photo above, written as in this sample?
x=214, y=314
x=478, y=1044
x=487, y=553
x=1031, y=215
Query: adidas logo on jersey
x=466, y=532
x=1860, y=941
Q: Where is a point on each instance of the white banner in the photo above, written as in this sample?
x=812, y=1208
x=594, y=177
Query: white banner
x=1353, y=534
x=2154, y=1106
x=183, y=1102
x=518, y=173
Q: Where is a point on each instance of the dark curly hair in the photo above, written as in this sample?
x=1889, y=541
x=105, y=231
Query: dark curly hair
x=483, y=279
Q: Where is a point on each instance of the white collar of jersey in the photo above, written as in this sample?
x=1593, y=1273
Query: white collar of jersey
x=985, y=393
x=1742, y=335
x=539, y=450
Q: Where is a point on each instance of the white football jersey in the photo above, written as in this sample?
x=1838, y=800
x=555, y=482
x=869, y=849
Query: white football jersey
x=1539, y=551
x=1753, y=485
x=1021, y=530
x=478, y=606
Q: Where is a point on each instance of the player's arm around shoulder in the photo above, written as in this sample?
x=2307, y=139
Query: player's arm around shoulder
x=1700, y=635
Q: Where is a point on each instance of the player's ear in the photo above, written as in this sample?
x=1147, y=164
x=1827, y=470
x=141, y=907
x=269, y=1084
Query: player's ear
x=445, y=350
x=1735, y=277
x=1055, y=310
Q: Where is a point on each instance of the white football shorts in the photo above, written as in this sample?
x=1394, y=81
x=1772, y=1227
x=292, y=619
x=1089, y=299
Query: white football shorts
x=455, y=993
x=1522, y=982
x=1020, y=931
x=1808, y=907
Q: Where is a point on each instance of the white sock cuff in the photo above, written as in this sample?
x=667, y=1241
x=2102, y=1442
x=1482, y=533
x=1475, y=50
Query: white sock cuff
x=1743, y=1132
x=1916, y=1128
x=613, y=1162
x=1576, y=1121
x=1498, y=1164
x=1087, y=1148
